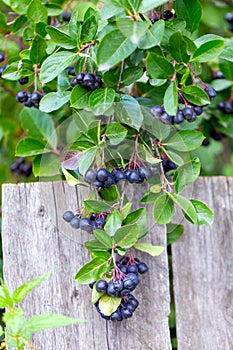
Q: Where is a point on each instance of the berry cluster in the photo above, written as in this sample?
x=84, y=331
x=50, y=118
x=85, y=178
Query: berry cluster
x=226, y=107
x=229, y=18
x=29, y=99
x=125, y=281
x=103, y=178
x=88, y=81
x=167, y=15
x=71, y=70
x=96, y=221
x=20, y=168
x=188, y=113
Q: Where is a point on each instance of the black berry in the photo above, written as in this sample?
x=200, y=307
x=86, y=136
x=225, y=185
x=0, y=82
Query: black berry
x=68, y=216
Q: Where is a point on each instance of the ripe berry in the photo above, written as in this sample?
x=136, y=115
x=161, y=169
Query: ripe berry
x=23, y=80
x=144, y=172
x=133, y=277
x=91, y=285
x=101, y=286
x=166, y=118
x=90, y=176
x=68, y=216
x=80, y=77
x=28, y=103
x=189, y=114
x=2, y=57
x=153, y=20
x=124, y=292
x=88, y=80
x=118, y=285
x=111, y=289
x=167, y=15
x=221, y=106
x=178, y=118
x=100, y=223
x=133, y=176
x=116, y=316
x=73, y=82
x=123, y=268
x=126, y=313
x=205, y=142
x=229, y=17
x=71, y=70
x=216, y=135
x=36, y=97
x=21, y=96
x=86, y=225
x=198, y=110
x=118, y=175
x=110, y=181
x=228, y=108
x=132, y=269
x=75, y=222
x=211, y=92
x=142, y=268
x=129, y=283
x=129, y=306
x=66, y=16
x=102, y=175
x=156, y=111
x=218, y=75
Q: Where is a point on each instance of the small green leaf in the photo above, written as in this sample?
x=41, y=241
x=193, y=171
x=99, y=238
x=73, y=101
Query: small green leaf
x=110, y=194
x=89, y=29
x=131, y=29
x=108, y=304
x=186, y=206
x=47, y=321
x=38, y=50
x=61, y=38
x=159, y=67
x=86, y=160
x=186, y=174
x=128, y=111
x=74, y=25
x=96, y=206
x=120, y=48
x=171, y=99
x=46, y=165
x=153, y=250
x=208, y=51
x=174, y=232
x=101, y=100
x=159, y=130
x=37, y=12
x=95, y=295
x=91, y=271
x=113, y=222
x=104, y=238
x=126, y=236
x=147, y=5
x=139, y=217
x=178, y=48
x=55, y=64
x=21, y=292
x=116, y=133
x=79, y=97
x=205, y=215
x=163, y=209
x=195, y=95
x=185, y=140
x=70, y=179
x=30, y=147
x=190, y=11
x=153, y=36
x=95, y=246
x=54, y=100
x=126, y=209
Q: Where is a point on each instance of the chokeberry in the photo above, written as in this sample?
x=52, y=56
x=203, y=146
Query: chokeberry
x=36, y=97
x=198, y=110
x=2, y=57
x=23, y=80
x=167, y=15
x=211, y=92
x=129, y=283
x=111, y=289
x=66, y=16
x=166, y=118
x=73, y=82
x=142, y=268
x=101, y=286
x=188, y=113
x=144, y=172
x=86, y=225
x=132, y=269
x=133, y=277
x=75, y=222
x=90, y=176
x=102, y=175
x=68, y=216
x=133, y=176
x=118, y=285
x=229, y=17
x=88, y=80
x=178, y=118
x=21, y=96
x=80, y=77
x=126, y=313
x=116, y=316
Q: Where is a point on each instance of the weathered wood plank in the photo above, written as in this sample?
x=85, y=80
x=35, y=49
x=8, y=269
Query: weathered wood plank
x=203, y=273
x=36, y=240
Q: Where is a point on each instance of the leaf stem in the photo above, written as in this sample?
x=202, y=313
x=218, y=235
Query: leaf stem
x=120, y=76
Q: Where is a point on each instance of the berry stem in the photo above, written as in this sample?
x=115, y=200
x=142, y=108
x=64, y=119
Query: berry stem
x=196, y=76
x=120, y=76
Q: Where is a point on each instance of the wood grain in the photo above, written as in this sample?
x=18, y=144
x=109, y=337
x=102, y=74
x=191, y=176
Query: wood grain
x=37, y=240
x=203, y=273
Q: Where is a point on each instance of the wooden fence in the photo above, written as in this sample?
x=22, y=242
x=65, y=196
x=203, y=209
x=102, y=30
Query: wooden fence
x=37, y=240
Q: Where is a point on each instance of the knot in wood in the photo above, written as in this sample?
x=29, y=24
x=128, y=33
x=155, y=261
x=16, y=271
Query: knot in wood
x=41, y=211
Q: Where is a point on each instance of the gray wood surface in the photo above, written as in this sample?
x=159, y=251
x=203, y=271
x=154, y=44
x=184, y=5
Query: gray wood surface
x=37, y=240
x=203, y=272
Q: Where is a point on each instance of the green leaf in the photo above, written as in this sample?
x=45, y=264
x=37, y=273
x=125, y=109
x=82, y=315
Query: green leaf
x=195, y=95
x=38, y=50
x=89, y=29
x=21, y=292
x=70, y=179
x=95, y=246
x=55, y=64
x=174, y=232
x=147, y=5
x=186, y=206
x=186, y=174
x=79, y=97
x=11, y=72
x=61, y=38
x=174, y=156
x=108, y=304
x=178, y=48
x=227, y=53
x=126, y=236
x=205, y=215
x=37, y=12
x=103, y=237
x=128, y=111
x=120, y=48
x=30, y=147
x=153, y=250
x=116, y=133
x=131, y=29
x=190, y=11
x=163, y=208
x=96, y=206
x=100, y=100
x=159, y=67
x=185, y=140
x=6, y=298
x=86, y=160
x=208, y=51
x=74, y=25
x=113, y=222
x=46, y=165
x=91, y=271
x=110, y=194
x=139, y=217
x=159, y=130
x=47, y=321
x=171, y=99
x=54, y=100
x=39, y=126
x=153, y=36
x=130, y=75
x=126, y=209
